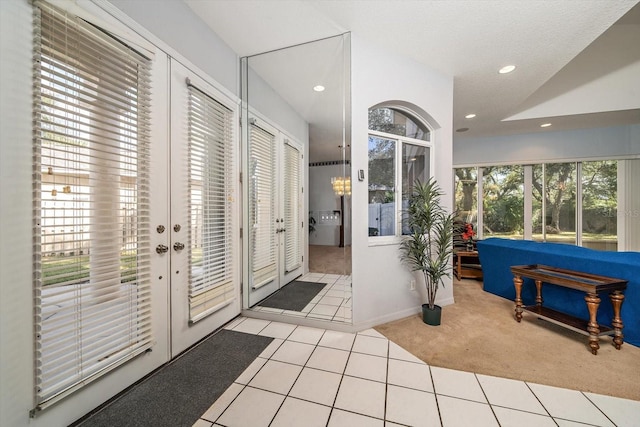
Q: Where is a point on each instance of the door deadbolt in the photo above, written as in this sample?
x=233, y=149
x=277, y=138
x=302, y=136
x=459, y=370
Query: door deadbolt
x=161, y=249
x=177, y=246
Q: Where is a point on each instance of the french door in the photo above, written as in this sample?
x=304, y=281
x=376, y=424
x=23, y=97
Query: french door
x=204, y=225
x=275, y=225
x=291, y=224
x=135, y=213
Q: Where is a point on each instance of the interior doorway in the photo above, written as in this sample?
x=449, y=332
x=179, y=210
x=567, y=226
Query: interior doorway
x=300, y=93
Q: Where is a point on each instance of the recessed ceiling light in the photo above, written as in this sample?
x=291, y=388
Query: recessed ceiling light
x=462, y=130
x=318, y=88
x=545, y=125
x=469, y=116
x=507, y=69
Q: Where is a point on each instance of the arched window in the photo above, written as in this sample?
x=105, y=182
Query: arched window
x=400, y=153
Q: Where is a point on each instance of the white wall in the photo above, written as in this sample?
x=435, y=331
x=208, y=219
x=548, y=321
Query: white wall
x=180, y=28
x=598, y=143
x=380, y=282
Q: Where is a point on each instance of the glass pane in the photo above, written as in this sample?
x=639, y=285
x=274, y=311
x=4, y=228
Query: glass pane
x=382, y=203
x=466, y=195
x=466, y=204
x=415, y=166
x=503, y=202
x=389, y=120
x=559, y=224
x=599, y=205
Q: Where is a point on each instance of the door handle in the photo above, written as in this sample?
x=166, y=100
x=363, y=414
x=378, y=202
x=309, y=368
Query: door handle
x=177, y=246
x=161, y=249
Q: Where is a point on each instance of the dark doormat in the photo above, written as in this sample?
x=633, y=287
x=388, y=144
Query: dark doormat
x=294, y=296
x=179, y=393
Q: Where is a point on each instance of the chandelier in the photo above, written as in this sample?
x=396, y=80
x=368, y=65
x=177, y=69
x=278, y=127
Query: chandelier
x=341, y=186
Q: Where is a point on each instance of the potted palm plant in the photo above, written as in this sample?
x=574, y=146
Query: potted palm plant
x=429, y=245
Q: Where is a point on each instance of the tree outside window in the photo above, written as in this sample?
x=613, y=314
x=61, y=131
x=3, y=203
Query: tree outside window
x=503, y=202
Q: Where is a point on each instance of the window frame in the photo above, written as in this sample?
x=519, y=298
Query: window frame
x=397, y=237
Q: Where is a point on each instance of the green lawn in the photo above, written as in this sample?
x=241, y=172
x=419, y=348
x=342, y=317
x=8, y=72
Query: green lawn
x=61, y=269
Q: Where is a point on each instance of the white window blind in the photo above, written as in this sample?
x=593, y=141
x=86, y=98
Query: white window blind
x=211, y=205
x=91, y=203
x=262, y=206
x=292, y=222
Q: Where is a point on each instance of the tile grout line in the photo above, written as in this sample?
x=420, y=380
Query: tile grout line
x=598, y=408
x=386, y=385
x=335, y=399
x=433, y=384
x=523, y=411
x=300, y=373
x=539, y=401
x=475, y=375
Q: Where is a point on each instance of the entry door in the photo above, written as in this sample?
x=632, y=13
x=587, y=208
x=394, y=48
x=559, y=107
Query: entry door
x=205, y=217
x=275, y=205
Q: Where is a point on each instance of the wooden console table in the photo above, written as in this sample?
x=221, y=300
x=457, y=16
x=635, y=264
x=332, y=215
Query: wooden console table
x=468, y=271
x=591, y=284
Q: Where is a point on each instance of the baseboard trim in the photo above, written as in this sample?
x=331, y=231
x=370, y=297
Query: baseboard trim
x=390, y=317
x=341, y=327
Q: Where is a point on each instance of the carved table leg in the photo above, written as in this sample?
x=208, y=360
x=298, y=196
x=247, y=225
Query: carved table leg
x=593, y=302
x=517, y=281
x=616, y=301
x=539, y=293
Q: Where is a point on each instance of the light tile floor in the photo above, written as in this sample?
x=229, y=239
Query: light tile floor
x=313, y=377
x=332, y=303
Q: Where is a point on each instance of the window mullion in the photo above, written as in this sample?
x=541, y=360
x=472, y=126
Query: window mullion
x=398, y=187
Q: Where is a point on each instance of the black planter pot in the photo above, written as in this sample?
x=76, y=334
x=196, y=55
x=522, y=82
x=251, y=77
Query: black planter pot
x=431, y=317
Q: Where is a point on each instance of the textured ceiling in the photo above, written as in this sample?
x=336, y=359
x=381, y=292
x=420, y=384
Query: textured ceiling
x=563, y=63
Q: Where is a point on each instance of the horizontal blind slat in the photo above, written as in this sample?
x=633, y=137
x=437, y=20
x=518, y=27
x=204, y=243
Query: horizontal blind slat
x=210, y=186
x=91, y=202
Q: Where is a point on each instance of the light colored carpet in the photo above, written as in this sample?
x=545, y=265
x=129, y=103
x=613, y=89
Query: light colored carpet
x=330, y=259
x=479, y=334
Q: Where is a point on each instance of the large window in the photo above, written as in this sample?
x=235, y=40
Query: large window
x=466, y=195
x=554, y=190
x=571, y=203
x=91, y=203
x=399, y=155
x=600, y=204
x=503, y=202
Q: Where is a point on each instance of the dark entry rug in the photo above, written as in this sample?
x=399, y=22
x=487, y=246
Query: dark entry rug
x=294, y=296
x=179, y=393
